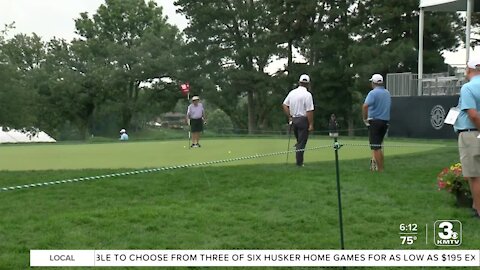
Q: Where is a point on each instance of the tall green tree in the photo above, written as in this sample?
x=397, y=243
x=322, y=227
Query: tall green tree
x=231, y=43
x=20, y=60
x=133, y=40
x=353, y=39
x=326, y=49
x=389, y=31
x=74, y=87
x=384, y=39
x=294, y=22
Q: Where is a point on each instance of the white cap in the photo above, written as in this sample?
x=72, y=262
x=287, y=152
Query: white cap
x=304, y=78
x=195, y=98
x=474, y=63
x=123, y=130
x=376, y=78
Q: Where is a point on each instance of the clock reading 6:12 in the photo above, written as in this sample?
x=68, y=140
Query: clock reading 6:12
x=411, y=227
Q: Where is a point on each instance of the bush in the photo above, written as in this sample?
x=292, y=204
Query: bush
x=219, y=122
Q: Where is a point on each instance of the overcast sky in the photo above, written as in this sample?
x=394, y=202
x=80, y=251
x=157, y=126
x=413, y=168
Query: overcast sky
x=55, y=18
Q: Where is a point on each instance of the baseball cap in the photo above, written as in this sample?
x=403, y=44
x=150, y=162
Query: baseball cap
x=195, y=98
x=304, y=78
x=123, y=130
x=376, y=78
x=474, y=63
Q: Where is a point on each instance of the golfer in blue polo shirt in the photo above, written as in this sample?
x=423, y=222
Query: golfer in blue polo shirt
x=376, y=115
x=467, y=126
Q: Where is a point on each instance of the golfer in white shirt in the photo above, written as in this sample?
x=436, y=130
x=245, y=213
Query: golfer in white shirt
x=298, y=106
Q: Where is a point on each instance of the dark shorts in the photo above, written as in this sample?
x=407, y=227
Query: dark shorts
x=376, y=133
x=196, y=125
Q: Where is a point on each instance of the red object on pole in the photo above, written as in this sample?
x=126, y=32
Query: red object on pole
x=185, y=88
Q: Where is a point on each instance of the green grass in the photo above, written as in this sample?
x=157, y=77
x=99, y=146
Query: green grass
x=165, y=153
x=264, y=206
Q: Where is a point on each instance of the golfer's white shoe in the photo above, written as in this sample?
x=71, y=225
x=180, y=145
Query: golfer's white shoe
x=373, y=165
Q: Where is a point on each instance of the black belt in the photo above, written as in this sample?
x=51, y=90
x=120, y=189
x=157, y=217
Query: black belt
x=466, y=130
x=373, y=119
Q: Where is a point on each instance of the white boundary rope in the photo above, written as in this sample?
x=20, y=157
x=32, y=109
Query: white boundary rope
x=106, y=176
x=167, y=168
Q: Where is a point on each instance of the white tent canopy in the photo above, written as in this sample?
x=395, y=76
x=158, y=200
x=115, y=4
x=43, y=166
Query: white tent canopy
x=443, y=5
x=15, y=136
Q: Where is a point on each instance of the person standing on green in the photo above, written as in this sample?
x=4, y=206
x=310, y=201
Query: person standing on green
x=196, y=118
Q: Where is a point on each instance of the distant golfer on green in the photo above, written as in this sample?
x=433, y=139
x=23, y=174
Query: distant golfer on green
x=298, y=106
x=196, y=118
x=123, y=135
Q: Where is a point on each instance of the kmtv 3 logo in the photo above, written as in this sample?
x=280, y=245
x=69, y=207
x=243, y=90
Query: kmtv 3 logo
x=447, y=233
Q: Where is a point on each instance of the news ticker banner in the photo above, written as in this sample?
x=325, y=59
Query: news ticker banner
x=271, y=258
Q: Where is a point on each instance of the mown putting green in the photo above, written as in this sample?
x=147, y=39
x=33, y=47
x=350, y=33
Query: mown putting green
x=165, y=153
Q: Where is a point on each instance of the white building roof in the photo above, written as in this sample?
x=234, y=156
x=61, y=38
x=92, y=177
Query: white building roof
x=444, y=5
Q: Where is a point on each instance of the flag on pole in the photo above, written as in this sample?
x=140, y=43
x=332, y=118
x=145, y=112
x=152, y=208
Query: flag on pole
x=185, y=88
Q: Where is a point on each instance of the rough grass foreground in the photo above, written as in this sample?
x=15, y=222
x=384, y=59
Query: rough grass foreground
x=236, y=207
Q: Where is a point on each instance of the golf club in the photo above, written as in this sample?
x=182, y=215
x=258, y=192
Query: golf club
x=289, y=137
x=189, y=135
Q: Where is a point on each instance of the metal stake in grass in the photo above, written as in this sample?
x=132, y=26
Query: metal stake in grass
x=333, y=132
x=337, y=146
x=289, y=137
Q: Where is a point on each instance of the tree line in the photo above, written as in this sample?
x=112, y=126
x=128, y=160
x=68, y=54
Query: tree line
x=127, y=63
